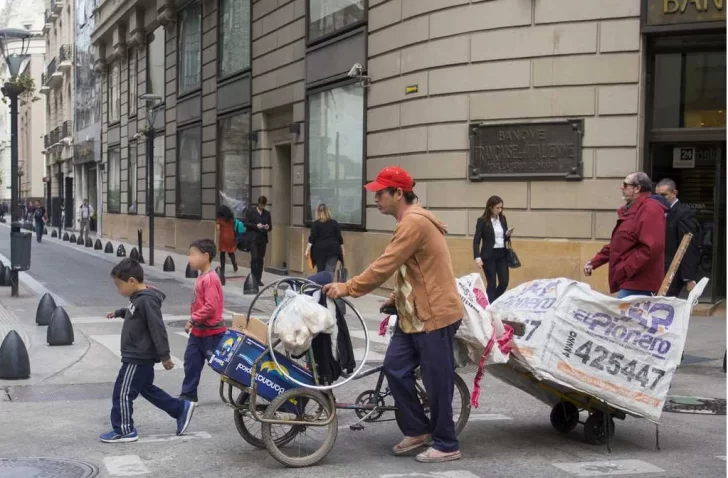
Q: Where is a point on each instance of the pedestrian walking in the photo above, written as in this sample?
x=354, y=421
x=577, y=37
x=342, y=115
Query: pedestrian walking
x=680, y=220
x=258, y=224
x=325, y=243
x=143, y=343
x=226, y=225
x=489, y=247
x=429, y=312
x=86, y=212
x=636, y=251
x=205, y=326
x=40, y=217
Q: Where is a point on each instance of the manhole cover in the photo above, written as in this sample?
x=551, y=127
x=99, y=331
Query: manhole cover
x=46, y=468
x=697, y=405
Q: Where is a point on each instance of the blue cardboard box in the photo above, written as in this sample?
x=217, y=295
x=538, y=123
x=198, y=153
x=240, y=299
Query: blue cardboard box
x=235, y=355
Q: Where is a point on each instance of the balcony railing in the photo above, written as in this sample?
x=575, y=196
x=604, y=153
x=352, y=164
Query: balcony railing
x=67, y=129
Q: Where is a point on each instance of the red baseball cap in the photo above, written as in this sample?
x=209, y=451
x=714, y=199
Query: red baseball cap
x=391, y=177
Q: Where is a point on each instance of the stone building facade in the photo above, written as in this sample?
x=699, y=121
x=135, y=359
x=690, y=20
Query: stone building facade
x=459, y=92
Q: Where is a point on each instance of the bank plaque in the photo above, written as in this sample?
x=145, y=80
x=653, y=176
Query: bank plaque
x=526, y=151
x=683, y=12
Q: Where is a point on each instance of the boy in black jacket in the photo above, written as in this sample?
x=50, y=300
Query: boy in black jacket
x=143, y=343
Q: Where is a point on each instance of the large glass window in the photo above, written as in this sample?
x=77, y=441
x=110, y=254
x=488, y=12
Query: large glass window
x=190, y=53
x=113, y=189
x=133, y=82
x=189, y=164
x=328, y=16
x=234, y=42
x=336, y=152
x=132, y=176
x=159, y=175
x=690, y=90
x=233, y=174
x=114, y=97
x=155, y=62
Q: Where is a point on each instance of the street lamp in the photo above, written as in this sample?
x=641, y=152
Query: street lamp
x=152, y=103
x=14, y=45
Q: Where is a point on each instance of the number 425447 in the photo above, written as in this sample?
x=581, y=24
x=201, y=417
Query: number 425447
x=602, y=359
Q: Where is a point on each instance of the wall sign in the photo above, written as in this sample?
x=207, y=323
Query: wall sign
x=679, y=12
x=526, y=151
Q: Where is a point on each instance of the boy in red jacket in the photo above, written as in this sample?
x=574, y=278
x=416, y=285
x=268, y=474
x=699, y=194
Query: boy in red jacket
x=205, y=326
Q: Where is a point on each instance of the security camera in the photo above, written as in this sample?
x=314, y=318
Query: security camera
x=356, y=70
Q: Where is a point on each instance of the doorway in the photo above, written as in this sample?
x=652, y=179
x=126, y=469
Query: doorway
x=281, y=209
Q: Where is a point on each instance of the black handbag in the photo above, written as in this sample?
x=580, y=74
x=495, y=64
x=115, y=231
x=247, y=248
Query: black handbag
x=512, y=257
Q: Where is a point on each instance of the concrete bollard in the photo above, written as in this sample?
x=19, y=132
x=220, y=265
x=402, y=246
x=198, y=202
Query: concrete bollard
x=89, y=242
x=97, y=245
x=109, y=248
x=120, y=251
x=80, y=240
x=168, y=264
x=189, y=273
x=134, y=254
x=65, y=237
x=46, y=306
x=60, y=330
x=14, y=360
x=72, y=238
x=251, y=286
x=54, y=234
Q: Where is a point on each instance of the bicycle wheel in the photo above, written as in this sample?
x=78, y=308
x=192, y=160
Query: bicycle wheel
x=312, y=442
x=250, y=428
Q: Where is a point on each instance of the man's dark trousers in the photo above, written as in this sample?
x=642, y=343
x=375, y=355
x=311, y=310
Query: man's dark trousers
x=198, y=351
x=134, y=380
x=433, y=353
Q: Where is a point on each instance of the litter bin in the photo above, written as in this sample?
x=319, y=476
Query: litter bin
x=20, y=250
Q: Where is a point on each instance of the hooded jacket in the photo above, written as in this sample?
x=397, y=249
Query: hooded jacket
x=636, y=252
x=425, y=292
x=144, y=335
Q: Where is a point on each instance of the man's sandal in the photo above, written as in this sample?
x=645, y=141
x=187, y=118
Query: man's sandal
x=411, y=443
x=434, y=456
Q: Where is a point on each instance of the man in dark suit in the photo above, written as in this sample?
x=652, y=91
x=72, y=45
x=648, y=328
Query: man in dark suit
x=680, y=220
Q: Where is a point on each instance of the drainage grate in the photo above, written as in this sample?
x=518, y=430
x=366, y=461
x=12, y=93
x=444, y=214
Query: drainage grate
x=42, y=467
x=695, y=405
x=61, y=393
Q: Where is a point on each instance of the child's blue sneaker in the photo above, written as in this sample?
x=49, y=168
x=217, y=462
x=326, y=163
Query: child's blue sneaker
x=184, y=418
x=113, y=437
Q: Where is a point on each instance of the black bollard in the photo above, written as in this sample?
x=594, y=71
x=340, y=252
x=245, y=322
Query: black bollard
x=189, y=273
x=60, y=330
x=251, y=286
x=168, y=264
x=14, y=361
x=97, y=245
x=89, y=242
x=120, y=251
x=221, y=274
x=54, y=234
x=80, y=240
x=109, y=248
x=65, y=236
x=134, y=254
x=46, y=306
x=72, y=238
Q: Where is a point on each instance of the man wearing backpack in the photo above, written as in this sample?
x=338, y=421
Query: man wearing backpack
x=40, y=217
x=680, y=220
x=86, y=213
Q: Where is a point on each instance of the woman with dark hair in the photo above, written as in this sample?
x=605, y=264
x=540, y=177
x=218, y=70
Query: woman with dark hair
x=228, y=244
x=325, y=243
x=258, y=223
x=492, y=231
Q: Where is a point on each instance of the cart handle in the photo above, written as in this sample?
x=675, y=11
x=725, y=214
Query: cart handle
x=312, y=285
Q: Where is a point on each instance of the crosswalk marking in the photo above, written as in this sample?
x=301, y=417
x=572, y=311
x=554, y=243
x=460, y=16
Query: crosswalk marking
x=113, y=343
x=125, y=465
x=164, y=438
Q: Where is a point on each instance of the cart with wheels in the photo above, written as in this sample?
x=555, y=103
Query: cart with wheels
x=286, y=408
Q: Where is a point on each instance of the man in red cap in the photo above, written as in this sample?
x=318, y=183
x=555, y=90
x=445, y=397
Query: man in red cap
x=429, y=312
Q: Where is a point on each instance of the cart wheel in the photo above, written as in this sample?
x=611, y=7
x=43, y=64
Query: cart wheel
x=312, y=442
x=250, y=429
x=594, y=431
x=564, y=417
x=460, y=402
x=369, y=397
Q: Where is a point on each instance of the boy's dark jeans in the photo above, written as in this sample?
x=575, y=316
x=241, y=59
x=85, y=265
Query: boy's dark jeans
x=197, y=353
x=134, y=380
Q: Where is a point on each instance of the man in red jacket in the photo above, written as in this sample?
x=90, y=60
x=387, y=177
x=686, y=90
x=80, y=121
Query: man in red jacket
x=636, y=252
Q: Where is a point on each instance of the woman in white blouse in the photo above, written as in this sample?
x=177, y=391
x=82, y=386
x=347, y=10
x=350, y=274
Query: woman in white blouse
x=492, y=232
